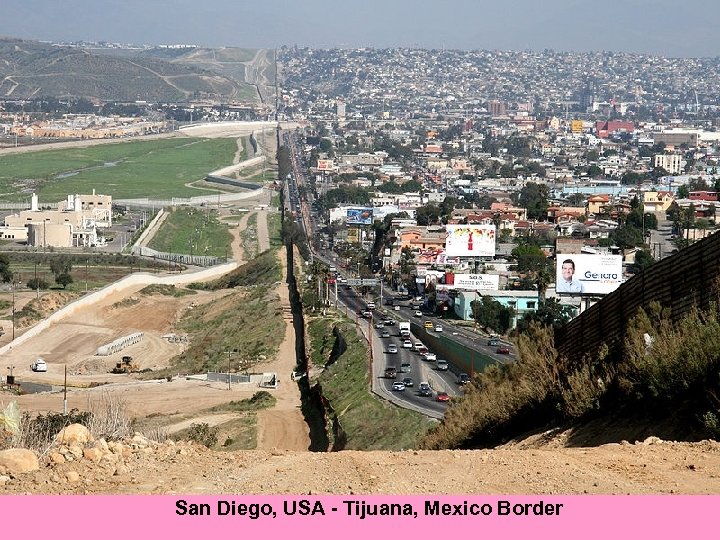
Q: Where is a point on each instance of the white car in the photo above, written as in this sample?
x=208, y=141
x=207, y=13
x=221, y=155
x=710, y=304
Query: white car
x=438, y=328
x=398, y=386
x=429, y=357
x=407, y=344
x=392, y=349
x=418, y=313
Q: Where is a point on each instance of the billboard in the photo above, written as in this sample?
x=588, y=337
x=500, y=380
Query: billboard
x=587, y=274
x=477, y=282
x=470, y=240
x=359, y=216
x=325, y=165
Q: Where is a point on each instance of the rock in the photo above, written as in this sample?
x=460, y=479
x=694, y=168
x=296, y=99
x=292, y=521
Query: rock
x=652, y=440
x=75, y=451
x=74, y=433
x=93, y=454
x=18, y=460
x=72, y=476
x=57, y=458
x=139, y=441
x=4, y=480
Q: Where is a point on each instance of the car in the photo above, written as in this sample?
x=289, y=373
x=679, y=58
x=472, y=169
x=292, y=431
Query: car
x=397, y=308
x=39, y=366
x=443, y=397
x=390, y=372
x=379, y=325
x=389, y=322
x=371, y=305
x=428, y=325
x=441, y=365
x=424, y=389
x=438, y=328
x=421, y=349
x=384, y=334
x=392, y=348
x=405, y=367
x=429, y=356
x=492, y=342
x=463, y=379
x=418, y=313
x=417, y=346
x=398, y=386
x=408, y=382
x=407, y=344
x=503, y=350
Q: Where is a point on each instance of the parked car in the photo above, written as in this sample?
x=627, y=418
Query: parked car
x=441, y=365
x=424, y=389
x=408, y=382
x=418, y=313
x=398, y=386
x=442, y=397
x=428, y=325
x=503, y=350
x=438, y=328
x=390, y=373
x=392, y=348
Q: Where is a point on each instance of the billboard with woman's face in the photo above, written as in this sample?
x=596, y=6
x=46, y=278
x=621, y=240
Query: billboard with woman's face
x=588, y=274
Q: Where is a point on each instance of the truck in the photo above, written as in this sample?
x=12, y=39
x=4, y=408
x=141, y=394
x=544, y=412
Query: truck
x=404, y=329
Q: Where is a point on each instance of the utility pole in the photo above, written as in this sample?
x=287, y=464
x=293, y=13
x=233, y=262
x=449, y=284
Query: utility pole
x=229, y=353
x=65, y=392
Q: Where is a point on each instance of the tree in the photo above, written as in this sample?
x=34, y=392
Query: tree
x=5, y=272
x=60, y=265
x=64, y=279
x=549, y=313
x=643, y=259
x=37, y=283
x=534, y=197
x=490, y=313
x=626, y=236
x=428, y=214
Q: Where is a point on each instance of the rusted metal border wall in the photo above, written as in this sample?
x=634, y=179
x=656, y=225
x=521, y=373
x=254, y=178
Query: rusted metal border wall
x=678, y=282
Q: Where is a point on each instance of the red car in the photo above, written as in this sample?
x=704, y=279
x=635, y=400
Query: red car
x=442, y=396
x=503, y=350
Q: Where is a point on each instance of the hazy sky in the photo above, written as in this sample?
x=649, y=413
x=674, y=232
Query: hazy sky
x=665, y=27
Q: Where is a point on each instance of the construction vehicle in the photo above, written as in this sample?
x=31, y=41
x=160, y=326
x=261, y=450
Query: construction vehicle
x=126, y=365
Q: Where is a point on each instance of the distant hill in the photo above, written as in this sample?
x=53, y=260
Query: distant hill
x=34, y=69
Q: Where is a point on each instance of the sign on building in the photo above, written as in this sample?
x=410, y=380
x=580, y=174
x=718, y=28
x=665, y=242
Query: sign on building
x=477, y=282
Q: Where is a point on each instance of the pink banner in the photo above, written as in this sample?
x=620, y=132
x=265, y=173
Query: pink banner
x=366, y=517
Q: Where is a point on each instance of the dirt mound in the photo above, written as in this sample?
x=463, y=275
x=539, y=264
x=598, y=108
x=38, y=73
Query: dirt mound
x=41, y=308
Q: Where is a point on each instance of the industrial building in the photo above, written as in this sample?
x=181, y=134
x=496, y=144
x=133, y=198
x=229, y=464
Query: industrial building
x=74, y=224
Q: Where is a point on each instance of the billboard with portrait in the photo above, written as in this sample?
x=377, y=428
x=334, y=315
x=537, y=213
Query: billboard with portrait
x=359, y=216
x=470, y=240
x=587, y=274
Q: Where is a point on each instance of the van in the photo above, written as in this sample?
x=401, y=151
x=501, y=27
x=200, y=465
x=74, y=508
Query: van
x=39, y=366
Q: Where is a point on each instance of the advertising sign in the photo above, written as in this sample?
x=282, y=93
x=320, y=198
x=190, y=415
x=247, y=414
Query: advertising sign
x=470, y=240
x=359, y=216
x=325, y=165
x=588, y=274
x=477, y=282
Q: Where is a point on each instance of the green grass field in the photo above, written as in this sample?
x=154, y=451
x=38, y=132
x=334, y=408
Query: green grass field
x=157, y=168
x=193, y=231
